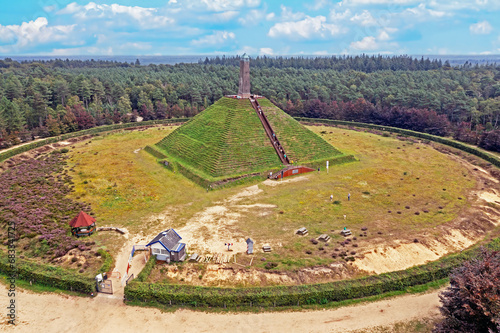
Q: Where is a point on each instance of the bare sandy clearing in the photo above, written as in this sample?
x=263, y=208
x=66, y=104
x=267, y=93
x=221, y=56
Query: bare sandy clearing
x=207, y=231
x=270, y=182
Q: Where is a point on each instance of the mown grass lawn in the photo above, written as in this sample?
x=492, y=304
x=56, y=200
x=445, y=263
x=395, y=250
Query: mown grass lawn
x=126, y=186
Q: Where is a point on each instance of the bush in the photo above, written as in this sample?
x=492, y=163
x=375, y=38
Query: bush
x=47, y=275
x=472, y=304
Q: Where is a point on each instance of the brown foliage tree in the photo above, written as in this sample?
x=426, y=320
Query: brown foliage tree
x=472, y=302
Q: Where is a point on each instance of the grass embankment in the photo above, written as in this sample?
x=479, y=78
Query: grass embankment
x=228, y=140
x=299, y=143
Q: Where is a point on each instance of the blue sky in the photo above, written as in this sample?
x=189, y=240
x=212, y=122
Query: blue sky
x=257, y=27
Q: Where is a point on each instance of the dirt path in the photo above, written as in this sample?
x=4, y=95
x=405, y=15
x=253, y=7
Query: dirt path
x=55, y=313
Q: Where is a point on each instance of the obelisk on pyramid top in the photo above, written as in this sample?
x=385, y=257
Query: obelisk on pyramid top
x=244, y=86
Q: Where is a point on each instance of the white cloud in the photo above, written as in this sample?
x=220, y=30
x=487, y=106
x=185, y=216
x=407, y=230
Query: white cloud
x=146, y=18
x=224, y=16
x=422, y=12
x=308, y=28
x=91, y=50
x=364, y=19
x=247, y=50
x=366, y=44
x=481, y=28
x=383, y=36
x=379, y=43
x=317, y=5
x=266, y=51
x=255, y=16
x=218, y=38
x=223, y=5
x=475, y=5
x=321, y=53
x=335, y=16
x=49, y=9
x=33, y=32
x=379, y=2
x=136, y=46
x=288, y=15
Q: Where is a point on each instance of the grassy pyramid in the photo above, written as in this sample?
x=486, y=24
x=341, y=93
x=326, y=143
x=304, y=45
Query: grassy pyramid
x=227, y=140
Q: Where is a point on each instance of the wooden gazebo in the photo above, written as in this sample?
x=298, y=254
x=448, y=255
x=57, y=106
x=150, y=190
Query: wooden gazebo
x=82, y=225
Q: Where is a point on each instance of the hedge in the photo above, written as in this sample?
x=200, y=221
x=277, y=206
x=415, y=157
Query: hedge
x=449, y=142
x=168, y=294
x=107, y=261
x=95, y=130
x=144, y=274
x=47, y=275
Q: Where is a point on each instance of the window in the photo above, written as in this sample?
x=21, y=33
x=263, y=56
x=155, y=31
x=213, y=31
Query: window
x=156, y=251
x=163, y=251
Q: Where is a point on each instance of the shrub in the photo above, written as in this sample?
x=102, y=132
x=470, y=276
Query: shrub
x=472, y=304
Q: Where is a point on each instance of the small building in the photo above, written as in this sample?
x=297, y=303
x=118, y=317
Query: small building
x=302, y=231
x=166, y=246
x=82, y=225
x=266, y=248
x=249, y=246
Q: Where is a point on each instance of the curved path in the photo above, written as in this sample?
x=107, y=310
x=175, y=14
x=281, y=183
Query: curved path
x=60, y=313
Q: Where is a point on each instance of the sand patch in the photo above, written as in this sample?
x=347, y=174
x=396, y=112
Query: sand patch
x=385, y=258
x=247, y=192
x=490, y=197
x=208, y=231
x=270, y=182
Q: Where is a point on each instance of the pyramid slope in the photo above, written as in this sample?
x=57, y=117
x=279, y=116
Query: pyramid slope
x=300, y=144
x=228, y=140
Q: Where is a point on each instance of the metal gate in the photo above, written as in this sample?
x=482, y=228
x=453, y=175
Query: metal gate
x=105, y=287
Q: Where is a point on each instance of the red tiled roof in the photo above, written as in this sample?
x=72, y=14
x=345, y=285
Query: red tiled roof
x=82, y=220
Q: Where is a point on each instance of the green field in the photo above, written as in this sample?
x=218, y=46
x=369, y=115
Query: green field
x=228, y=140
x=127, y=187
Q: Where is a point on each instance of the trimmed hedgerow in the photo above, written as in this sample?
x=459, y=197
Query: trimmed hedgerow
x=46, y=275
x=452, y=143
x=146, y=271
x=21, y=149
x=169, y=294
x=107, y=261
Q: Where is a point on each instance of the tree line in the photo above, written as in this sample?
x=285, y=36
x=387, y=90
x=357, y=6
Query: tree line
x=39, y=99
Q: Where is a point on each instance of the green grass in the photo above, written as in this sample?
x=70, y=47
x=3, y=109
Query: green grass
x=299, y=143
x=228, y=140
x=128, y=189
x=380, y=171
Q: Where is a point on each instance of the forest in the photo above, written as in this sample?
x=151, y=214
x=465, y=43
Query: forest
x=47, y=98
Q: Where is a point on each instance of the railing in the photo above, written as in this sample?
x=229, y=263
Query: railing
x=269, y=131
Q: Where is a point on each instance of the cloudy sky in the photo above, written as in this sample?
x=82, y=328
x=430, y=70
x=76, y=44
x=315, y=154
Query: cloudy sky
x=270, y=27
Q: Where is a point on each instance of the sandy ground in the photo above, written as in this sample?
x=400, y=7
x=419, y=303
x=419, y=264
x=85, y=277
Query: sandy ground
x=207, y=232
x=55, y=313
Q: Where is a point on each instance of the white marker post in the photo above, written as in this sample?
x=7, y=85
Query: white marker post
x=327, y=163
